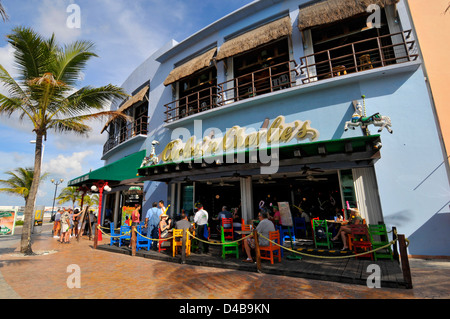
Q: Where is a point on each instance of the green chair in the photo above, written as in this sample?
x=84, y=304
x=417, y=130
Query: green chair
x=228, y=247
x=321, y=235
x=379, y=238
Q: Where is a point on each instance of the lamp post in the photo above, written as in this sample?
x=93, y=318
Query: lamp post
x=56, y=187
x=99, y=187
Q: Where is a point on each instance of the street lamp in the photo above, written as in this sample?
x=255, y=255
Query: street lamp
x=56, y=187
x=99, y=187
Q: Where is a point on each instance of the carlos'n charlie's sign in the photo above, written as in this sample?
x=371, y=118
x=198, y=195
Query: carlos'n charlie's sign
x=237, y=138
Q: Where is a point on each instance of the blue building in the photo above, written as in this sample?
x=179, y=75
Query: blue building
x=253, y=108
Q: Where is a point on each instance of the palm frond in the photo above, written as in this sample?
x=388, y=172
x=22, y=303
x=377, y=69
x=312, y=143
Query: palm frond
x=87, y=99
x=3, y=13
x=72, y=60
x=31, y=53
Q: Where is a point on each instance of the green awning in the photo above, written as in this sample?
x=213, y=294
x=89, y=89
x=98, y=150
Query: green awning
x=114, y=173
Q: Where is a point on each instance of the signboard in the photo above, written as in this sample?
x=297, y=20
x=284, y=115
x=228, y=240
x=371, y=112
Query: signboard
x=126, y=215
x=7, y=222
x=39, y=216
x=285, y=212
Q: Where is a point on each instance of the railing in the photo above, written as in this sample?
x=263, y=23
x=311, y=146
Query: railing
x=262, y=81
x=358, y=56
x=354, y=57
x=138, y=127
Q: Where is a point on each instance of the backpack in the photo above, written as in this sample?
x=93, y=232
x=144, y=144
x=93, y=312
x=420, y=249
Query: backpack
x=321, y=233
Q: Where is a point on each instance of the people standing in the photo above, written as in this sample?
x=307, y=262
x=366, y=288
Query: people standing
x=152, y=222
x=65, y=224
x=201, y=220
x=57, y=224
x=162, y=207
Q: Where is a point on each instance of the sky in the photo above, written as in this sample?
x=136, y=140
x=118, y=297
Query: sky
x=125, y=33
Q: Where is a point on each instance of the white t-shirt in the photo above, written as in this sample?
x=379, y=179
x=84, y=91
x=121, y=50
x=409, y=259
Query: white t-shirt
x=201, y=217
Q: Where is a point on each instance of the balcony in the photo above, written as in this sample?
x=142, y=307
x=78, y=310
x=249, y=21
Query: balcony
x=127, y=132
x=356, y=57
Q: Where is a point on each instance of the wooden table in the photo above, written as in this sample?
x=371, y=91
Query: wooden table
x=243, y=232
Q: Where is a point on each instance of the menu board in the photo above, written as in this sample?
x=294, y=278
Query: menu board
x=126, y=215
x=285, y=212
x=7, y=222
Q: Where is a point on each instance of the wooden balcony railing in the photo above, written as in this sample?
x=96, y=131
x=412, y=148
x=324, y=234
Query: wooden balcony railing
x=358, y=56
x=138, y=127
x=262, y=81
x=354, y=57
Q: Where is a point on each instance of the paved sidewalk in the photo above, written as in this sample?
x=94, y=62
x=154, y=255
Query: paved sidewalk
x=107, y=275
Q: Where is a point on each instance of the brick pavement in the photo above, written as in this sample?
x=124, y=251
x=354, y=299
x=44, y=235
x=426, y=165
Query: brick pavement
x=107, y=275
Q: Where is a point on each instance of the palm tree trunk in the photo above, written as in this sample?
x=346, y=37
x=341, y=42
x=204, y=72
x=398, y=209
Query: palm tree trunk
x=25, y=244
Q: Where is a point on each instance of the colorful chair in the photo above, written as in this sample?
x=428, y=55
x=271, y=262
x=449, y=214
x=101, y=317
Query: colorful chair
x=299, y=225
x=245, y=228
x=178, y=242
x=227, y=225
x=271, y=251
x=321, y=235
x=379, y=238
x=361, y=240
x=141, y=241
x=228, y=247
x=160, y=242
x=114, y=236
x=125, y=234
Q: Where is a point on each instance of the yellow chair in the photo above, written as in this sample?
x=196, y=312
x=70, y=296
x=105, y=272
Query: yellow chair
x=178, y=242
x=365, y=62
x=339, y=70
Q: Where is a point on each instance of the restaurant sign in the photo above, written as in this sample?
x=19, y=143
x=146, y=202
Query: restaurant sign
x=239, y=139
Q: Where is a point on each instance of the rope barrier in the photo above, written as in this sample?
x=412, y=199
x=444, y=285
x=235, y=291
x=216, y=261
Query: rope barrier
x=262, y=236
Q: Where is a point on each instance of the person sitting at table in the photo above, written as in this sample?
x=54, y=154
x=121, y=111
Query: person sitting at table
x=345, y=229
x=264, y=227
x=184, y=224
x=164, y=226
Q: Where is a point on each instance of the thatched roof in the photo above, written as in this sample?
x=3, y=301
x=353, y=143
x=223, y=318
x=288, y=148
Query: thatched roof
x=190, y=67
x=254, y=38
x=328, y=11
x=128, y=103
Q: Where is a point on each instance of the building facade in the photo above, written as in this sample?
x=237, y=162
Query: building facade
x=321, y=104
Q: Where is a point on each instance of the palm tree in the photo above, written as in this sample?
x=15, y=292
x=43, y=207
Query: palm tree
x=45, y=94
x=19, y=184
x=90, y=201
x=3, y=13
x=69, y=194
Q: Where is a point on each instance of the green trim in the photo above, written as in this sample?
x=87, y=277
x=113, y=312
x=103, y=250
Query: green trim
x=123, y=169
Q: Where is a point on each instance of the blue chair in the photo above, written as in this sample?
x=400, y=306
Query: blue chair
x=299, y=224
x=141, y=241
x=284, y=233
x=125, y=234
x=114, y=235
x=280, y=229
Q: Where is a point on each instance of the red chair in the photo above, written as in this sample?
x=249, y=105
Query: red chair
x=271, y=251
x=361, y=241
x=160, y=242
x=245, y=228
x=227, y=224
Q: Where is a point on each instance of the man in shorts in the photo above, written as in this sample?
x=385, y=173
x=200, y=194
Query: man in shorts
x=264, y=227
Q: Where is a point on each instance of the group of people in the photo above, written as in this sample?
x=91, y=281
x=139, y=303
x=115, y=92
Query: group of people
x=67, y=224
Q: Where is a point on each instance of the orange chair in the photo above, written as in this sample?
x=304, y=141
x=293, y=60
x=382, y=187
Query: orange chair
x=245, y=228
x=227, y=224
x=267, y=252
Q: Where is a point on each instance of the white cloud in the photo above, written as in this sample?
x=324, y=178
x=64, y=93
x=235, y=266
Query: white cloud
x=67, y=166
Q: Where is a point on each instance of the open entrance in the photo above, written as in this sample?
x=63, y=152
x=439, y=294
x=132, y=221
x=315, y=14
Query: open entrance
x=317, y=195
